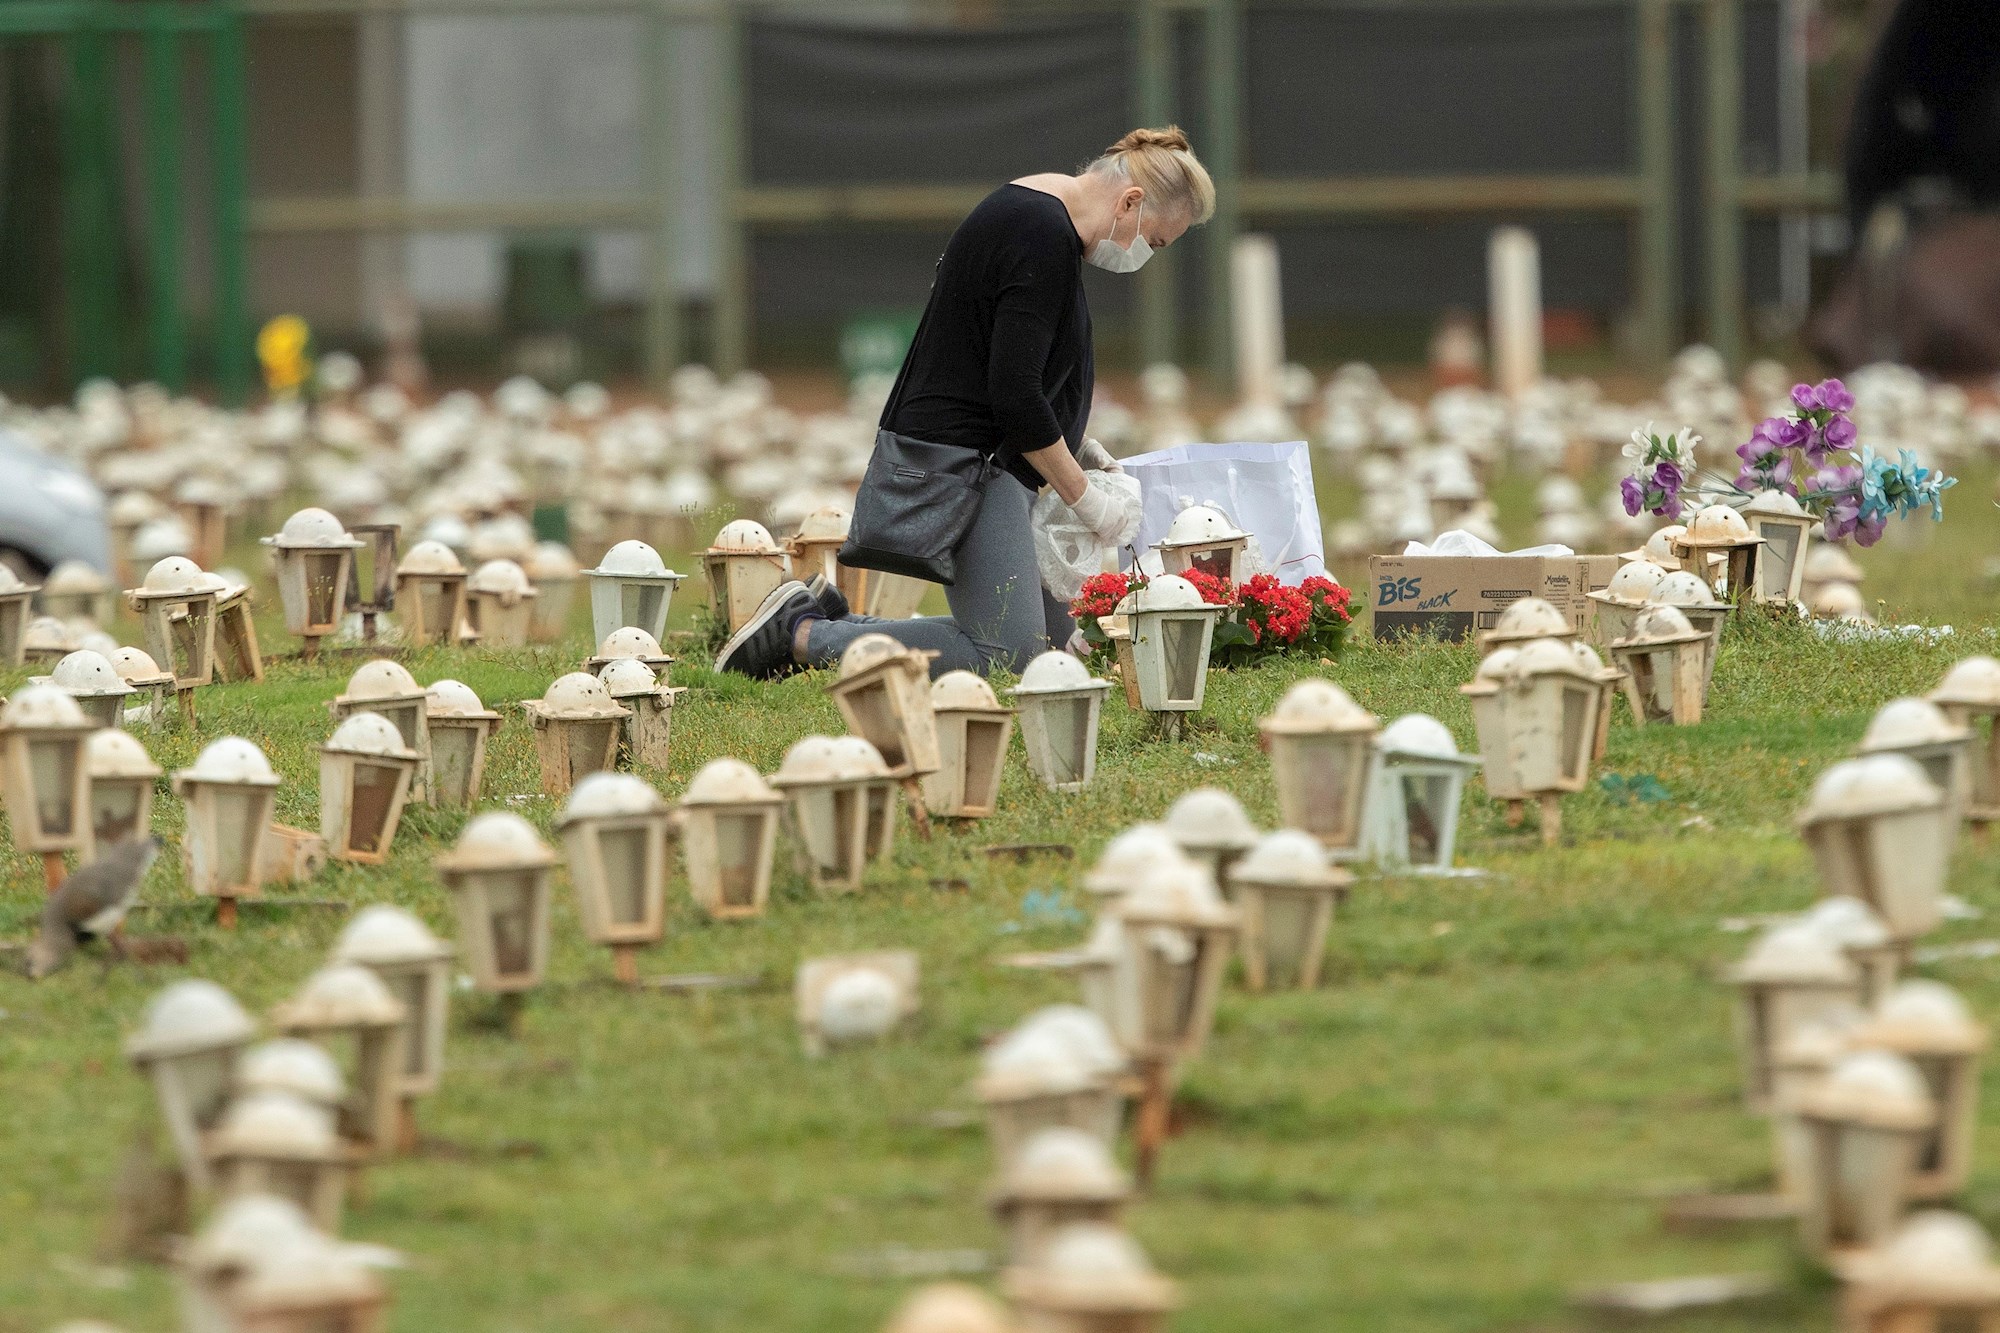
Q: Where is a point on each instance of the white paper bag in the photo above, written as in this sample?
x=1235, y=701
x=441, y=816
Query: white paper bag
x=1266, y=488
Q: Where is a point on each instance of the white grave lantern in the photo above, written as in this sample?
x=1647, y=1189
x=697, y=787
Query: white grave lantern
x=615, y=831
x=277, y=1144
x=950, y=1307
x=237, y=656
x=1919, y=729
x=203, y=502
x=744, y=566
x=1619, y=602
x=498, y=874
x=884, y=595
x=1321, y=747
x=151, y=686
x=854, y=998
x=230, y=793
x=15, y=597
x=1211, y=829
x=1491, y=721
x=1203, y=537
x=973, y=731
x=188, y=1046
x=1717, y=538
x=884, y=695
x=1059, y=1067
x=416, y=967
x=1927, y=1024
x=1524, y=621
x=73, y=590
x=295, y=1067
x=42, y=771
x=1865, y=1123
x=1177, y=936
x=826, y=812
x=1935, y=1274
x=311, y=556
x=1852, y=927
x=387, y=689
x=1826, y=564
x=1800, y=1063
x=365, y=771
x=1688, y=594
x=1793, y=975
x=1839, y=601
x=646, y=736
x=633, y=586
x=458, y=726
x=499, y=602
x=854, y=755
x=577, y=725
x=1090, y=1277
x=178, y=609
x=120, y=776
x=1171, y=631
x=1415, y=794
x=1664, y=660
x=1878, y=831
x=430, y=594
x=259, y=1267
x=729, y=834
x=46, y=641
x=1059, y=1177
x=630, y=644
x=815, y=547
x=1129, y=858
x=1554, y=705
x=1059, y=702
x=240, y=1235
x=347, y=1007
x=1785, y=529
x=553, y=569
x=1969, y=694
x=1285, y=889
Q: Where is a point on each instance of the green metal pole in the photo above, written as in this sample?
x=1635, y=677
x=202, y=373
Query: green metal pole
x=1722, y=23
x=1658, y=275
x=1223, y=155
x=663, y=325
x=90, y=241
x=732, y=265
x=232, y=207
x=167, y=322
x=1159, y=312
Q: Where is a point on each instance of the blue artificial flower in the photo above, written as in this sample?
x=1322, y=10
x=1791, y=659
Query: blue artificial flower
x=1879, y=480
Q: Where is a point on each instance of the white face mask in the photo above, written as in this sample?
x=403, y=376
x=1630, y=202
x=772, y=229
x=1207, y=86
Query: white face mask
x=1114, y=258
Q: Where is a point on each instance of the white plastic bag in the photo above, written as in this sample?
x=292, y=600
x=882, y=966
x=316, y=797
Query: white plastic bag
x=1066, y=552
x=1267, y=489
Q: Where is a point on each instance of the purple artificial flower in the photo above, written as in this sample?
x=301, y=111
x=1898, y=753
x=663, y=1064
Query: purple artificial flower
x=1633, y=492
x=1790, y=433
x=1840, y=519
x=1833, y=394
x=1804, y=397
x=1840, y=433
x=1869, y=530
x=1668, y=477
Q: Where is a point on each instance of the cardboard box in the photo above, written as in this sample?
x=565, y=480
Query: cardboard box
x=1456, y=597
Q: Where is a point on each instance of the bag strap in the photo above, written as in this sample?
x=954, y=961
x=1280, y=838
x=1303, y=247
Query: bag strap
x=903, y=374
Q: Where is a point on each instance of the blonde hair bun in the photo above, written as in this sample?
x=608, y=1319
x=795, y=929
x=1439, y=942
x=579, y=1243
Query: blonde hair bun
x=1160, y=162
x=1172, y=137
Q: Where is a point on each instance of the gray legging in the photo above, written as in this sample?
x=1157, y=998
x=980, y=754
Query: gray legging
x=999, y=614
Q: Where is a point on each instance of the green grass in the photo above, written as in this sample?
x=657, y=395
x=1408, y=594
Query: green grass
x=1479, y=1111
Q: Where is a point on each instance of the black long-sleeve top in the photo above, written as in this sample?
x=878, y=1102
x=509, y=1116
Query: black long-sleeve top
x=1002, y=361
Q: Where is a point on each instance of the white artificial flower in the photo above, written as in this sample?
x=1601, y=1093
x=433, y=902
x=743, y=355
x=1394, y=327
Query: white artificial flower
x=1641, y=441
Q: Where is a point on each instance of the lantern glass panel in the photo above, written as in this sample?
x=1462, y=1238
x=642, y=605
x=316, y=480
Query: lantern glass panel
x=374, y=798
x=1937, y=1077
x=1579, y=707
x=1068, y=723
x=983, y=755
x=473, y=607
x=1780, y=553
x=1166, y=988
x=739, y=839
x=510, y=899
x=589, y=745
x=881, y=810
x=640, y=603
x=846, y=804
x=324, y=585
x=186, y=643
x=409, y=988
x=1216, y=560
x=1938, y=767
x=114, y=809
x=451, y=758
x=236, y=836
x=623, y=854
x=434, y=602
x=1426, y=809
x=1287, y=927
x=407, y=719
x=1182, y=642
x=295, y=1181
x=1325, y=766
x=875, y=718
x=52, y=768
x=204, y=1079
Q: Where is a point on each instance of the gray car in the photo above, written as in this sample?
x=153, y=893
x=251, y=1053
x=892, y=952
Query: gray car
x=49, y=512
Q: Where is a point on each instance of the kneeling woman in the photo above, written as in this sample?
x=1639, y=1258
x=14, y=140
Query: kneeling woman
x=1002, y=365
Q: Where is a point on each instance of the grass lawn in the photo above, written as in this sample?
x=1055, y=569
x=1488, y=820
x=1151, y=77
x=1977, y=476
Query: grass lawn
x=1479, y=1110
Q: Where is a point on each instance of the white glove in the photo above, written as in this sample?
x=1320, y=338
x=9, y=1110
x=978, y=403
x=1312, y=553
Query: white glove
x=1096, y=510
x=1094, y=457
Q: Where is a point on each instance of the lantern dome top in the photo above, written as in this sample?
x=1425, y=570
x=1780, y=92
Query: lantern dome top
x=1659, y=547
x=1775, y=503
x=860, y=1003
x=1316, y=704
x=1182, y=895
x=1419, y=735
x=1288, y=856
x=1199, y=524
x=453, y=698
x=382, y=934
x=1134, y=853
x=1828, y=563
x=497, y=840
x=1032, y=1062
x=857, y=757
x=578, y=695
x=1209, y=817
x=869, y=650
x=369, y=734
x=630, y=641
x=950, y=1307
x=727, y=782
x=41, y=706
x=1497, y=664
x=98, y=642
x=381, y=679
x=501, y=578
x=1794, y=953
x=1874, y=784
x=1818, y=1043
x=1876, y=1088
x=631, y=558
x=1062, y=1164
x=176, y=573
x=623, y=677
x=87, y=672
x=190, y=1016
x=1902, y=723
x=10, y=582
x=429, y=557
x=341, y=995
x=1532, y=618
x=1923, y=1015
x=1660, y=624
x=1838, y=601
x=215, y=581
x=290, y=1065
x=312, y=528
x=962, y=690
x=311, y=1273
x=278, y=1124
x=1086, y=1035
x=1846, y=923
x=1548, y=657
x=1168, y=592
x=552, y=562
x=48, y=634
x=810, y=759
x=1055, y=672
x=116, y=753
x=1717, y=525
x=503, y=537
x=135, y=664
x=1943, y=1255
x=1973, y=680
x=1093, y=1265
x=825, y=524
x=1634, y=583
x=131, y=508
x=244, y=1229
x=72, y=578
x=1684, y=587
x=744, y=536
x=607, y=795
